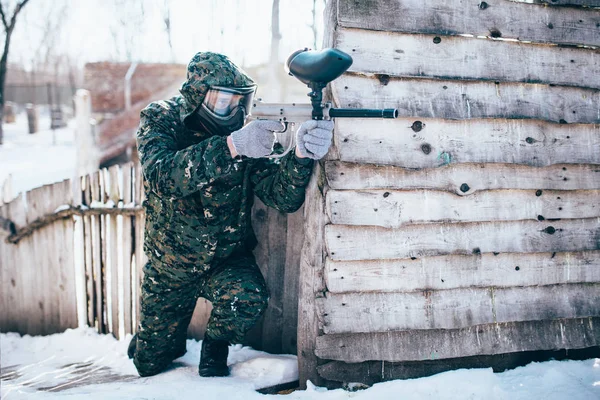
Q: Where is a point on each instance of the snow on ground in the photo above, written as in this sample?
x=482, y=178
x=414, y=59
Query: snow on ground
x=39, y=368
x=35, y=159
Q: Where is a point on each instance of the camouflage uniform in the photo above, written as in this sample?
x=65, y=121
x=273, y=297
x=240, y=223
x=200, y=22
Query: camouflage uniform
x=198, y=232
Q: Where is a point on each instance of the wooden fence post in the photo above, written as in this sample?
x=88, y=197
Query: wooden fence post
x=87, y=154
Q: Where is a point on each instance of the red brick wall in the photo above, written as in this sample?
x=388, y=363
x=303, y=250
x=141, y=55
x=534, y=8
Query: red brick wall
x=105, y=81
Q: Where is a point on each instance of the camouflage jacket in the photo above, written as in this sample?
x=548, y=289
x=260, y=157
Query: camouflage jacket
x=198, y=198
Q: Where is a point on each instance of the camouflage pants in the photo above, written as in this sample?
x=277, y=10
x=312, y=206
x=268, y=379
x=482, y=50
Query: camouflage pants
x=235, y=287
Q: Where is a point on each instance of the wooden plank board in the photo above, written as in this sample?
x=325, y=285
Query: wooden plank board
x=372, y=243
x=270, y=226
x=396, y=208
x=140, y=257
x=294, y=242
x=89, y=254
x=434, y=344
x=497, y=18
x=454, y=99
x=455, y=308
x=15, y=282
x=462, y=271
x=112, y=188
x=127, y=233
x=311, y=280
x=463, y=179
x=455, y=57
x=442, y=142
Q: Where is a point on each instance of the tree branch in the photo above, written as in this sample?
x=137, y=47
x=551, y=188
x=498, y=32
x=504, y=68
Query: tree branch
x=3, y=18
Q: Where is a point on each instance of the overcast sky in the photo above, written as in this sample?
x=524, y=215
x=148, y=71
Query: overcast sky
x=99, y=30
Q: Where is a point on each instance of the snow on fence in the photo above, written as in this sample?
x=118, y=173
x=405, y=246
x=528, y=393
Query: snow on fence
x=72, y=254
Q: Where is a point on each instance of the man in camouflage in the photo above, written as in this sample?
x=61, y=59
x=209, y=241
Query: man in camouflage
x=201, y=169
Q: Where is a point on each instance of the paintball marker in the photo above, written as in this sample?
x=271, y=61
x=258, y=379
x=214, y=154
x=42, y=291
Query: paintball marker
x=315, y=69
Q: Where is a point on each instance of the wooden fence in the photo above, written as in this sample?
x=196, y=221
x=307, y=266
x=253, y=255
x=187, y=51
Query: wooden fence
x=73, y=254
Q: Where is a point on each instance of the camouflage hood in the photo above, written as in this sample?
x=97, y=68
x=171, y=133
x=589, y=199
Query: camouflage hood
x=208, y=69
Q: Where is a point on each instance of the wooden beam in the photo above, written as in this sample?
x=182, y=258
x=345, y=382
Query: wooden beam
x=493, y=18
x=461, y=271
x=417, y=98
x=373, y=243
x=455, y=308
x=463, y=179
x=434, y=344
x=419, y=55
x=312, y=263
x=441, y=142
x=396, y=208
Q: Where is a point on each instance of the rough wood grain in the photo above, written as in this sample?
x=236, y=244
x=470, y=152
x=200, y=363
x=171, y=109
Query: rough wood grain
x=127, y=250
x=373, y=243
x=442, y=142
x=434, y=344
x=586, y=3
x=455, y=308
x=454, y=99
x=497, y=18
x=371, y=372
x=294, y=242
x=419, y=55
x=463, y=179
x=461, y=271
x=311, y=280
x=396, y=208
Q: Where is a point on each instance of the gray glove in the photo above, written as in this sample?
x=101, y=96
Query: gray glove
x=257, y=138
x=313, y=138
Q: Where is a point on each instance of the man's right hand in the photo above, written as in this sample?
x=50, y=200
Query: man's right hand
x=256, y=139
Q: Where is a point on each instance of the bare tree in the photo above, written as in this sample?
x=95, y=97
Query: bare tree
x=9, y=26
x=166, y=14
x=129, y=26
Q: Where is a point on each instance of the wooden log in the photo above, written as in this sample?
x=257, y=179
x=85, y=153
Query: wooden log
x=454, y=99
x=442, y=142
x=499, y=18
x=396, y=208
x=434, y=344
x=420, y=55
x=374, y=243
x=371, y=372
x=311, y=279
x=463, y=179
x=461, y=271
x=455, y=308
x=586, y=3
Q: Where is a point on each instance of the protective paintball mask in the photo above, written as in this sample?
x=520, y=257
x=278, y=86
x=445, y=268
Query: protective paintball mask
x=225, y=109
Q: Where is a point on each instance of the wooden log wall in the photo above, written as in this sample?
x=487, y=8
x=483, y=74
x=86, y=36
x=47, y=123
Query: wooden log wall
x=470, y=225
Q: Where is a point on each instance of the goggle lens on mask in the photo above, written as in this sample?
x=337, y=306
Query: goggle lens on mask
x=221, y=101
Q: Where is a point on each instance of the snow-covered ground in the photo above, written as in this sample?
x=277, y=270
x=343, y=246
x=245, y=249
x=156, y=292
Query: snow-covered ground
x=34, y=160
x=39, y=367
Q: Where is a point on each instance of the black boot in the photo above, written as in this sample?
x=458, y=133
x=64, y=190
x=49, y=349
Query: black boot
x=132, y=346
x=213, y=359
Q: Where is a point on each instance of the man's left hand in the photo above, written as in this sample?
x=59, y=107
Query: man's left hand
x=313, y=138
